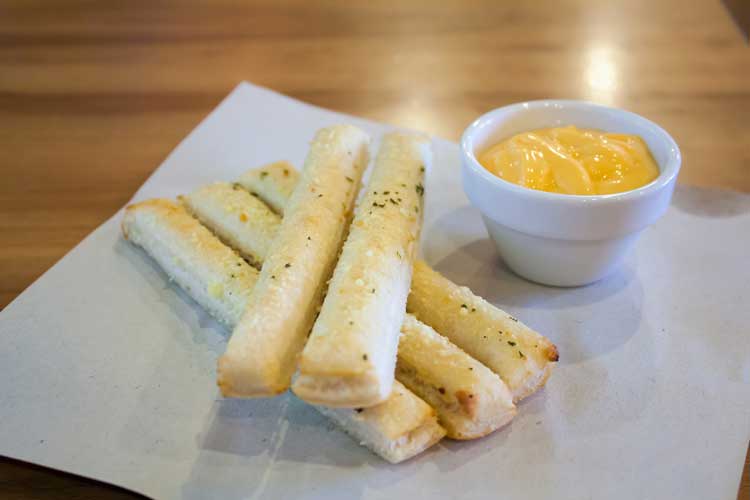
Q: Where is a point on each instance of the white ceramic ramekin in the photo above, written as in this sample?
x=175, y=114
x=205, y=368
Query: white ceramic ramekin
x=560, y=239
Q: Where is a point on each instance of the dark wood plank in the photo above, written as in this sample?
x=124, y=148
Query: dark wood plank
x=23, y=481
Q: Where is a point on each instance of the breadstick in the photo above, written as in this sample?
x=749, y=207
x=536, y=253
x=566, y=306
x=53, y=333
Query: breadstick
x=211, y=273
x=350, y=357
x=430, y=304
x=261, y=354
x=397, y=429
x=275, y=181
x=228, y=210
x=506, y=346
x=471, y=401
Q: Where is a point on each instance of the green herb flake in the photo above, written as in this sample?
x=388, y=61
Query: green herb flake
x=521, y=355
x=464, y=306
x=511, y=343
x=420, y=189
x=364, y=357
x=287, y=265
x=349, y=179
x=263, y=174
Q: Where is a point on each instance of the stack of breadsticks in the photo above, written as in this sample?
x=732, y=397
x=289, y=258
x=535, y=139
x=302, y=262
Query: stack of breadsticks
x=327, y=313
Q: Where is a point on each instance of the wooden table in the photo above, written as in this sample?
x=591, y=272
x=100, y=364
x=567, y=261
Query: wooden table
x=93, y=95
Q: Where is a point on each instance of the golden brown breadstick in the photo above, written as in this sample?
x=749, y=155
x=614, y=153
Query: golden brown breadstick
x=471, y=401
x=521, y=357
x=231, y=213
x=211, y=273
x=350, y=357
x=261, y=354
x=397, y=429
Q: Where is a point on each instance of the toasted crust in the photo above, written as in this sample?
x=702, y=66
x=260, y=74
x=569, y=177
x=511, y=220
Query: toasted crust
x=275, y=181
x=232, y=213
x=397, y=429
x=350, y=357
x=506, y=346
x=471, y=401
x=211, y=273
x=260, y=356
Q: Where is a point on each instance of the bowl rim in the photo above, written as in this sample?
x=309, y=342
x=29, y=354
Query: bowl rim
x=667, y=172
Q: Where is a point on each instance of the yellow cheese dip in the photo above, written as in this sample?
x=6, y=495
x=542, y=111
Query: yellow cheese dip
x=570, y=160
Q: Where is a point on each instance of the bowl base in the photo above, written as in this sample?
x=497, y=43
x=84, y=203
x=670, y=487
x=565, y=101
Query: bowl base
x=555, y=262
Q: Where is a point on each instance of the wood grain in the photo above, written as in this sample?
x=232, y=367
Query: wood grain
x=94, y=95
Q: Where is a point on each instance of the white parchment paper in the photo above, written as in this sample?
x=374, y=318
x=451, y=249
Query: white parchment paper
x=108, y=370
